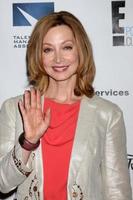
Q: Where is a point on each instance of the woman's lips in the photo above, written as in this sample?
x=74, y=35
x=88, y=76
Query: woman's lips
x=60, y=68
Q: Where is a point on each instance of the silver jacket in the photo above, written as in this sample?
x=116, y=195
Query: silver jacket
x=98, y=166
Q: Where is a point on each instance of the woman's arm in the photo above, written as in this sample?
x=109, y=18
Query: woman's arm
x=13, y=170
x=14, y=158
x=116, y=181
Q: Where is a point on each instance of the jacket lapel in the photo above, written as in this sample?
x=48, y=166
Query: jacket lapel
x=82, y=140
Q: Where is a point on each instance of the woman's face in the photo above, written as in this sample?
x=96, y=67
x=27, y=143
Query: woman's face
x=60, y=53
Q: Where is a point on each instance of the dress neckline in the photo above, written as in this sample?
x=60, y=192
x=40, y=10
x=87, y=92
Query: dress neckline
x=52, y=101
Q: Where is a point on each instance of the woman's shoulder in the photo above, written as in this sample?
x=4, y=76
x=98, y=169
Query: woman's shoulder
x=9, y=109
x=102, y=104
x=11, y=102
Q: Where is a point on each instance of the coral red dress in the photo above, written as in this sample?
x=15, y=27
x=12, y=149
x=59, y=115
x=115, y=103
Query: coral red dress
x=57, y=146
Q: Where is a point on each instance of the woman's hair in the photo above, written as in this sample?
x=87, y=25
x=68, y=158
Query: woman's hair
x=86, y=69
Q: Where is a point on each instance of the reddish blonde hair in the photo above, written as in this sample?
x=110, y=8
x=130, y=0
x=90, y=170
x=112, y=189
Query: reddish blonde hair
x=86, y=69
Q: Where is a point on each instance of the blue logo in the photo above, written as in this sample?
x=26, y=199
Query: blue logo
x=27, y=14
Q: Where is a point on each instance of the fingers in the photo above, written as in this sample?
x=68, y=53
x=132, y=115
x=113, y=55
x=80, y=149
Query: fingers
x=31, y=99
x=21, y=107
x=38, y=99
x=27, y=100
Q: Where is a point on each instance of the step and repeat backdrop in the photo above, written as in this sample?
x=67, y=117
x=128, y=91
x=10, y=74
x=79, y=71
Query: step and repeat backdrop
x=109, y=25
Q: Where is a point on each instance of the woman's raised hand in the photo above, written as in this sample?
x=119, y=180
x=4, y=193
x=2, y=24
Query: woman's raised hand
x=35, y=122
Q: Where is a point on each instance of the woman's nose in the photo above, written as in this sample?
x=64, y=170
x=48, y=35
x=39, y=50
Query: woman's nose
x=58, y=57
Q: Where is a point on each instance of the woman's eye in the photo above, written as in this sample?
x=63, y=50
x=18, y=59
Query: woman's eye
x=68, y=47
x=47, y=50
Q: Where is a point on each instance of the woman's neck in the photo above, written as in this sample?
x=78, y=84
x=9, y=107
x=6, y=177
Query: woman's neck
x=61, y=91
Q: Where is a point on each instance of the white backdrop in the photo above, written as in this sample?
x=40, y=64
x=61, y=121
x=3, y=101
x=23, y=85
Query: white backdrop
x=114, y=78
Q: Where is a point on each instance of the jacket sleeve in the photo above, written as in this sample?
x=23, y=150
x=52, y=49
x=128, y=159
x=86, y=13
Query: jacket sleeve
x=12, y=169
x=115, y=174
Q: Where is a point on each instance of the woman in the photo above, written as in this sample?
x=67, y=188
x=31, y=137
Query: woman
x=60, y=141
